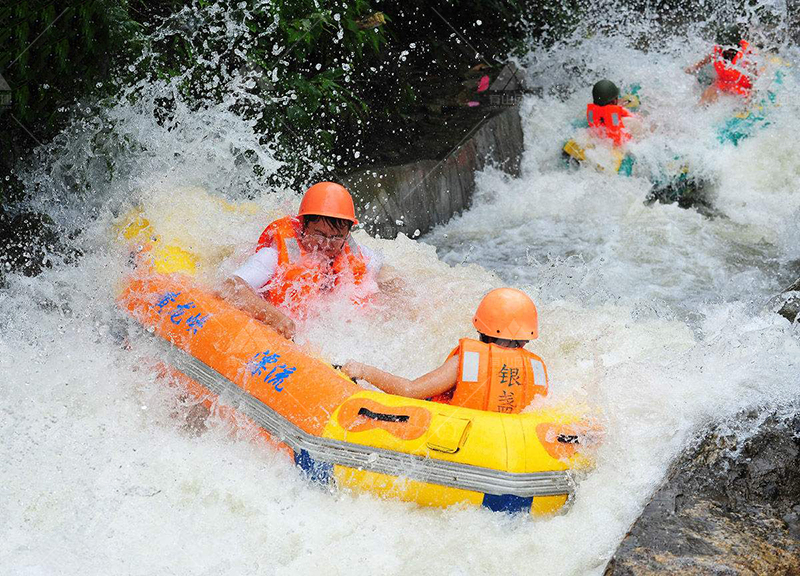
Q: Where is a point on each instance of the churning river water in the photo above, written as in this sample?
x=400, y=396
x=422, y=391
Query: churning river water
x=657, y=317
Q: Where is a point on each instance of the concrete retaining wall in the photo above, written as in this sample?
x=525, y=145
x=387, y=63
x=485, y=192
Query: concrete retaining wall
x=413, y=198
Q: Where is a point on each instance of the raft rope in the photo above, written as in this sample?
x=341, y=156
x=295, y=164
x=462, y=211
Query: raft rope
x=378, y=460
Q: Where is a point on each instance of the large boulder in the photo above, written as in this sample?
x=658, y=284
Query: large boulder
x=729, y=506
x=413, y=198
x=422, y=177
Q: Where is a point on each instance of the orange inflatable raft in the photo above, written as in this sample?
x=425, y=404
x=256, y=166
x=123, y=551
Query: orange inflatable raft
x=337, y=432
x=426, y=452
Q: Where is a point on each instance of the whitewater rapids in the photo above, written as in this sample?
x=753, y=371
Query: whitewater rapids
x=657, y=317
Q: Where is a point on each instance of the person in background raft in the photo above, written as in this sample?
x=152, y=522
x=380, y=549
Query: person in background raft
x=494, y=373
x=733, y=68
x=606, y=114
x=300, y=258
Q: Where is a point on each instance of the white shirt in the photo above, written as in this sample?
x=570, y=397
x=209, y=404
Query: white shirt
x=259, y=269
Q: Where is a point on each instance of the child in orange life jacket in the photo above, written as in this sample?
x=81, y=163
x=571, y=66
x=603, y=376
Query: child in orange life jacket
x=298, y=259
x=734, y=71
x=494, y=373
x=606, y=115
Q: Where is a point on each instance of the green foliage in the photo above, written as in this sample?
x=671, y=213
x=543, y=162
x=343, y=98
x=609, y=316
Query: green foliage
x=321, y=79
x=296, y=60
x=52, y=54
x=54, y=51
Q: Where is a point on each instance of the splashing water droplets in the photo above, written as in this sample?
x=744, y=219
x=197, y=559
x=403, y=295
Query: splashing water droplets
x=653, y=315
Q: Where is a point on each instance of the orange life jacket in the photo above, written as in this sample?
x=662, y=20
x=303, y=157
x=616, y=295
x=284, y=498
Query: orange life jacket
x=302, y=277
x=494, y=378
x=730, y=77
x=606, y=122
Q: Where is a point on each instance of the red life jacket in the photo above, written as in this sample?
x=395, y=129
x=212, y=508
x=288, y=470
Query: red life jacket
x=730, y=77
x=606, y=122
x=301, y=277
x=494, y=378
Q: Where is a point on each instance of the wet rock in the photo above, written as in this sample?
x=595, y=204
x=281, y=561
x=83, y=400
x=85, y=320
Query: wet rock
x=793, y=9
x=728, y=506
x=687, y=193
x=421, y=176
x=450, y=103
x=790, y=309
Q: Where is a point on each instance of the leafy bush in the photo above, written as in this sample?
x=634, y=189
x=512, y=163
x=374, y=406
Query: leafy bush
x=286, y=64
x=52, y=53
x=316, y=77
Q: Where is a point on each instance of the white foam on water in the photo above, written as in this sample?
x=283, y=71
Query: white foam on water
x=655, y=316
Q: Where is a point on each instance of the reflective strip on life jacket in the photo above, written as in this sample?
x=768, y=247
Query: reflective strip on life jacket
x=293, y=249
x=353, y=245
x=495, y=378
x=470, y=363
x=538, y=370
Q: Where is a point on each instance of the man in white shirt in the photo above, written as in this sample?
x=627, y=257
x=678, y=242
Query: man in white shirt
x=298, y=259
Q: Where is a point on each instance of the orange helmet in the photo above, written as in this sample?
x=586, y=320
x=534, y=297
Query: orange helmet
x=328, y=199
x=507, y=313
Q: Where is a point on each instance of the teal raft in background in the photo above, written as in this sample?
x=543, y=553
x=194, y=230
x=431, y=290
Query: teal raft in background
x=754, y=118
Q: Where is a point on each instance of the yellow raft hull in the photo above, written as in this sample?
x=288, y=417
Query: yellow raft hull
x=337, y=432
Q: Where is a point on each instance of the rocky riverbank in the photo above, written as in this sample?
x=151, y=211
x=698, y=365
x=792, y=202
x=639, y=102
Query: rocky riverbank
x=728, y=506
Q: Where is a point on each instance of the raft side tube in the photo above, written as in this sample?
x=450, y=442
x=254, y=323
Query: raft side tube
x=427, y=452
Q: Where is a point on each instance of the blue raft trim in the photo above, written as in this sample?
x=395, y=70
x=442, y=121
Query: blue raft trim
x=507, y=503
x=320, y=472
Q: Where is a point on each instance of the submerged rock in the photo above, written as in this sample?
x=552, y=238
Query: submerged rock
x=728, y=506
x=791, y=303
x=687, y=193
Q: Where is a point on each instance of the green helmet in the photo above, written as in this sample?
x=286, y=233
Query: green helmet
x=605, y=92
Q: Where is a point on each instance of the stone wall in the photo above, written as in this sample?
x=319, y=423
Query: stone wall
x=413, y=198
